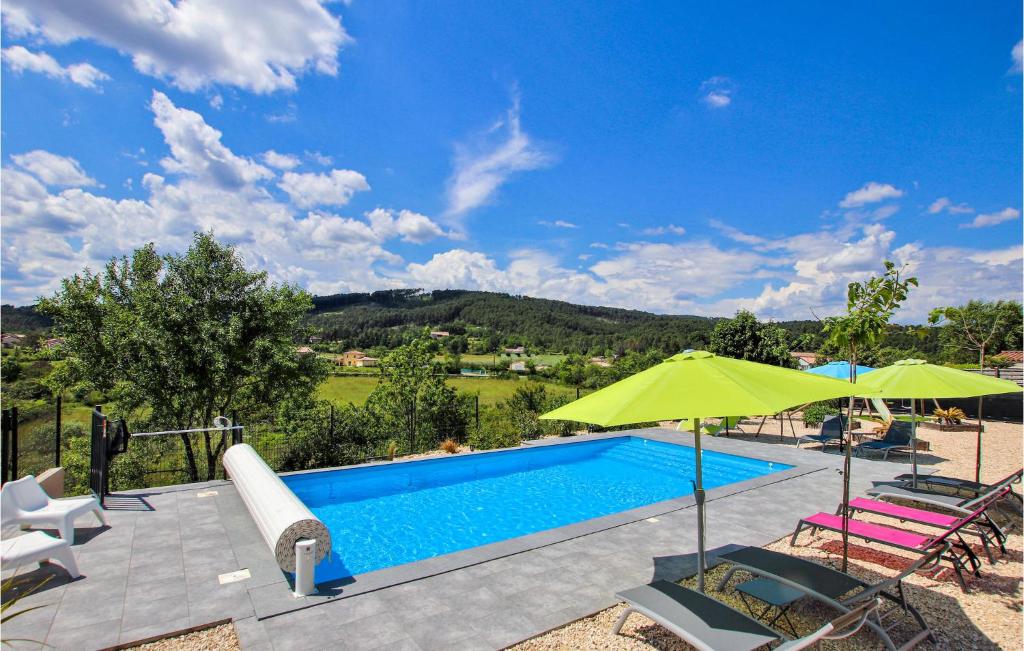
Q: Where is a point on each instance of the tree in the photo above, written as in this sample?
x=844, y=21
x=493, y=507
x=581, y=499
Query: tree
x=869, y=307
x=184, y=338
x=744, y=337
x=976, y=328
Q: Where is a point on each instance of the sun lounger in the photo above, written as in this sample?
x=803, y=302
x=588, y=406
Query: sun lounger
x=954, y=548
x=939, y=482
x=23, y=502
x=710, y=625
x=36, y=547
x=832, y=429
x=896, y=439
x=728, y=424
x=956, y=503
x=985, y=528
x=837, y=589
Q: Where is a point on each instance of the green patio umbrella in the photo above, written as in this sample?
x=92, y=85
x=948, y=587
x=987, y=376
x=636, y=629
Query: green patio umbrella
x=916, y=379
x=695, y=385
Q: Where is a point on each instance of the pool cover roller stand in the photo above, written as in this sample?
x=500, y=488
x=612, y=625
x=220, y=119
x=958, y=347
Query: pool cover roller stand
x=285, y=523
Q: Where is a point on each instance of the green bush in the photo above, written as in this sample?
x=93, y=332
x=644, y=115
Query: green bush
x=496, y=431
x=815, y=413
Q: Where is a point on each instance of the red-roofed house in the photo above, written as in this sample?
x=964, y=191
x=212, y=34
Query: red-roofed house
x=805, y=360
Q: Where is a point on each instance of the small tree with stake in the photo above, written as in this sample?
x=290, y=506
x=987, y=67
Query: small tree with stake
x=975, y=327
x=869, y=307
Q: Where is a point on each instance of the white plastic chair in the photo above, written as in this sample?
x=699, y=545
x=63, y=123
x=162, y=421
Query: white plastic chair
x=23, y=502
x=37, y=547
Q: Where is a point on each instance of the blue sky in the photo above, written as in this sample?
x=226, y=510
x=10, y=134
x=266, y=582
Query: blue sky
x=686, y=159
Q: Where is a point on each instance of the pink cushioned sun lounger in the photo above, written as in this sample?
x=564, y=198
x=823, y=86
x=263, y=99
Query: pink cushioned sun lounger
x=906, y=513
x=869, y=530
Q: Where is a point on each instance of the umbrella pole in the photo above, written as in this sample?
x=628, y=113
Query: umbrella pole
x=913, y=441
x=699, y=495
x=977, y=463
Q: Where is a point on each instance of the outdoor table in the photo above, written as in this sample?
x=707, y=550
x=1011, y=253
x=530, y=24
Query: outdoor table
x=777, y=596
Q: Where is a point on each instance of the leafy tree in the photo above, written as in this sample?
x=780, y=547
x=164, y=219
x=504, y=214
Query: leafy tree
x=744, y=337
x=869, y=307
x=971, y=331
x=184, y=338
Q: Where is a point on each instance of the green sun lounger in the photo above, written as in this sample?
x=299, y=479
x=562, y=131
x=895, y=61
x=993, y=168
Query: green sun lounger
x=710, y=625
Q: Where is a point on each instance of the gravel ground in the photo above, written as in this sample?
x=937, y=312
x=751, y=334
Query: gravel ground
x=218, y=638
x=989, y=617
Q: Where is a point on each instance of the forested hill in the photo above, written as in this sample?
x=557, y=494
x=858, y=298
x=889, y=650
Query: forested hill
x=378, y=318
x=23, y=320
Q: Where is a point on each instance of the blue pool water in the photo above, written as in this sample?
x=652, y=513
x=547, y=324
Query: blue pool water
x=386, y=515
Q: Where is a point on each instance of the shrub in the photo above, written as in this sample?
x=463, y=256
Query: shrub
x=815, y=413
x=495, y=431
x=450, y=446
x=951, y=416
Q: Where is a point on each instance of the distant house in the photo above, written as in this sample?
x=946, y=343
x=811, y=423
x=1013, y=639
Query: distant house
x=439, y=334
x=11, y=339
x=304, y=350
x=542, y=367
x=315, y=340
x=518, y=350
x=600, y=361
x=805, y=360
x=518, y=367
x=473, y=372
x=367, y=361
x=350, y=358
x=53, y=342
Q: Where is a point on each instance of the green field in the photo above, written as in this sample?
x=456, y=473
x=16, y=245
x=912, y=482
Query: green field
x=491, y=390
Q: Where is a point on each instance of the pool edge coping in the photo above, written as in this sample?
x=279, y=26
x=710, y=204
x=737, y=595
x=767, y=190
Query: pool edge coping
x=376, y=580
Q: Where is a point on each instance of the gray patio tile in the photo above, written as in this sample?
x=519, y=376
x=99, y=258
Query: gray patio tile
x=77, y=615
x=158, y=628
x=155, y=589
x=158, y=570
x=381, y=629
x=500, y=628
x=347, y=610
x=94, y=635
x=438, y=634
x=147, y=612
x=251, y=634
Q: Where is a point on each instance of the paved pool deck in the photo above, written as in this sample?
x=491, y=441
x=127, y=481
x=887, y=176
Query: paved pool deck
x=155, y=569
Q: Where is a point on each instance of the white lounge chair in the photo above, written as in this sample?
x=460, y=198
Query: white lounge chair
x=37, y=547
x=23, y=502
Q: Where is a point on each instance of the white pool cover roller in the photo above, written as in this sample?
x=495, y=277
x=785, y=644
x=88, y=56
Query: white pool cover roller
x=281, y=517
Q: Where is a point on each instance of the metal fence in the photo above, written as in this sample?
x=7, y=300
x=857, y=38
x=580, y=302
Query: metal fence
x=31, y=440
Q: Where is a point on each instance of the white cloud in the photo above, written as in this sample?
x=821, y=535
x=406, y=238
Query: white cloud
x=717, y=91
x=558, y=223
x=333, y=189
x=217, y=102
x=946, y=204
x=318, y=158
x=991, y=219
x=1017, y=54
x=259, y=46
x=53, y=169
x=662, y=230
x=411, y=226
x=196, y=149
x=871, y=192
x=481, y=170
x=280, y=161
x=20, y=59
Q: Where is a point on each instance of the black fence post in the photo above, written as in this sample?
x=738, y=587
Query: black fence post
x=236, y=434
x=14, y=442
x=476, y=401
x=57, y=432
x=98, y=457
x=577, y=393
x=5, y=446
x=331, y=430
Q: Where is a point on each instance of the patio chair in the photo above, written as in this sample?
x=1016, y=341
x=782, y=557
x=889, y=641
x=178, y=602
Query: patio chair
x=37, y=547
x=896, y=439
x=837, y=589
x=953, y=547
x=710, y=625
x=903, y=490
x=728, y=424
x=832, y=430
x=985, y=528
x=23, y=502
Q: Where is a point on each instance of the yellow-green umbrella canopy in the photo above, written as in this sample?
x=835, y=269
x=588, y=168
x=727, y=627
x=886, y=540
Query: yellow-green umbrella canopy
x=695, y=385
x=700, y=384
x=917, y=379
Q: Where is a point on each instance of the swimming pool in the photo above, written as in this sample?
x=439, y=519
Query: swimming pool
x=391, y=514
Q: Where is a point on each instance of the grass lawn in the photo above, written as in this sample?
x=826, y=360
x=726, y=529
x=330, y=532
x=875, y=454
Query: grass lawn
x=491, y=390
